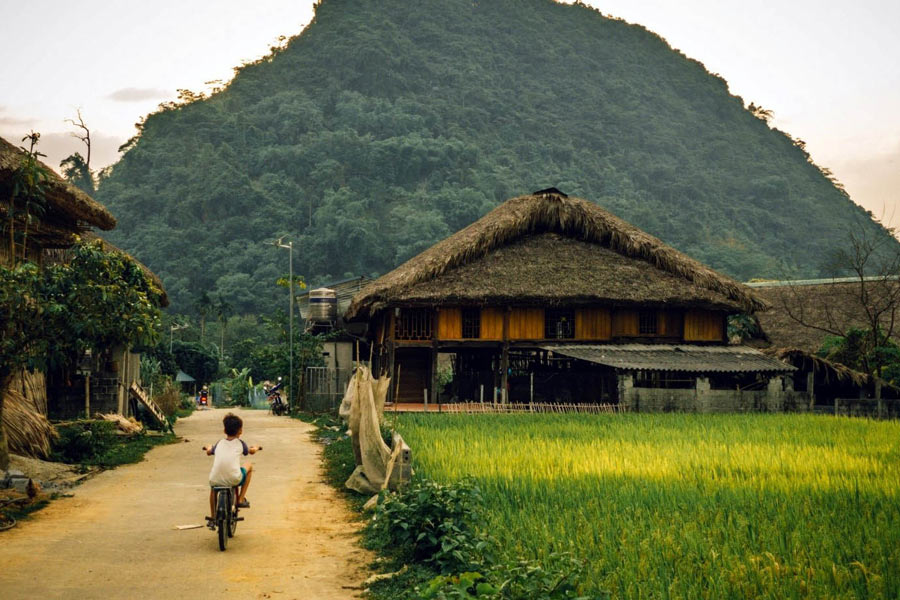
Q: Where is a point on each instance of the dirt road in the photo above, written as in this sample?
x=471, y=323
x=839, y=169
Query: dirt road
x=116, y=537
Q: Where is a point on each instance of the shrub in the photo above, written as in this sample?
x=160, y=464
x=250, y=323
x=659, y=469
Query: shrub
x=170, y=398
x=554, y=578
x=83, y=441
x=432, y=523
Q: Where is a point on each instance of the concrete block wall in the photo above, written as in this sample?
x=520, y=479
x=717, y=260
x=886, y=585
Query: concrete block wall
x=703, y=399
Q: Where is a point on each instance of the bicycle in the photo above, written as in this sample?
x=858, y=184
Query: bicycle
x=226, y=514
x=226, y=518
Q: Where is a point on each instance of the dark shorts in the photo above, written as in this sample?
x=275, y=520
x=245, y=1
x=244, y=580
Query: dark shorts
x=243, y=476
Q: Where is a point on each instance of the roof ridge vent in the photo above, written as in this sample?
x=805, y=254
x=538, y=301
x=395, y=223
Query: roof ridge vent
x=551, y=191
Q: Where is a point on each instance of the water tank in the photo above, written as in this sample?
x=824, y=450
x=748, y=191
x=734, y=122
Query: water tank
x=322, y=305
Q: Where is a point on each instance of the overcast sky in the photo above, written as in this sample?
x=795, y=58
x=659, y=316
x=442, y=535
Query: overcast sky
x=829, y=70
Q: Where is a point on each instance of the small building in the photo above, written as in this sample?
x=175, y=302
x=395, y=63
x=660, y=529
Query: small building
x=803, y=311
x=549, y=298
x=803, y=314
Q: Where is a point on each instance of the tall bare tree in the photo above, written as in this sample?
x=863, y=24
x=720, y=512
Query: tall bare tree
x=77, y=168
x=84, y=136
x=864, y=303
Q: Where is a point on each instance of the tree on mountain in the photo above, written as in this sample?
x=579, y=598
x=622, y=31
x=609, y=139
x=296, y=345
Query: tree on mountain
x=223, y=310
x=196, y=360
x=76, y=172
x=203, y=306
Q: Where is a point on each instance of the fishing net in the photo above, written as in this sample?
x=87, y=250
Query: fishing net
x=363, y=409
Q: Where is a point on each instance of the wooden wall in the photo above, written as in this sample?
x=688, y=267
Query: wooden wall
x=492, y=323
x=526, y=324
x=449, y=324
x=593, y=324
x=625, y=323
x=598, y=324
x=704, y=326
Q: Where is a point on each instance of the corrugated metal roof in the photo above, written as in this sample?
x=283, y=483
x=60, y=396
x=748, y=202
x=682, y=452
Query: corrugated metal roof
x=684, y=358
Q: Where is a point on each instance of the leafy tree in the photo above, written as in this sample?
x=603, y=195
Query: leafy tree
x=203, y=307
x=76, y=172
x=197, y=360
x=51, y=315
x=858, y=351
x=223, y=311
x=160, y=353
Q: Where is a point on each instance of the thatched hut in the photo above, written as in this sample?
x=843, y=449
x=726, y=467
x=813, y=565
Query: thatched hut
x=805, y=312
x=546, y=284
x=69, y=211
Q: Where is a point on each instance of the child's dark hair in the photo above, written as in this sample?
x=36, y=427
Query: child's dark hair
x=233, y=424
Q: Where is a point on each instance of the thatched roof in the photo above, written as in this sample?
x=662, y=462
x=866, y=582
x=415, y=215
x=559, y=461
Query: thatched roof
x=59, y=256
x=550, y=249
x=820, y=304
x=71, y=208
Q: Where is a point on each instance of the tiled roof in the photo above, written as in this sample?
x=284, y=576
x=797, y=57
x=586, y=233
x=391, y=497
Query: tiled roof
x=684, y=358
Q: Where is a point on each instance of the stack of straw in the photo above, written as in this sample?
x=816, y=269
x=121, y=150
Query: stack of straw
x=28, y=432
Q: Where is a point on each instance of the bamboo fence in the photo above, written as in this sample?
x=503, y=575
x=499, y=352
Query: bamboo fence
x=516, y=408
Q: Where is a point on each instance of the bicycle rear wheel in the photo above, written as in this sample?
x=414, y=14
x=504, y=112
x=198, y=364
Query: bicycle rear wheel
x=232, y=524
x=223, y=512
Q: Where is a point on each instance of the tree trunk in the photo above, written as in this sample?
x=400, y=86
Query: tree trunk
x=5, y=378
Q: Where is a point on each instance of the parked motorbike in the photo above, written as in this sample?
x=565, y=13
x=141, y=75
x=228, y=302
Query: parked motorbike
x=277, y=405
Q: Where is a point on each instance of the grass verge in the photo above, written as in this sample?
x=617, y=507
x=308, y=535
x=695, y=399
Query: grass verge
x=339, y=463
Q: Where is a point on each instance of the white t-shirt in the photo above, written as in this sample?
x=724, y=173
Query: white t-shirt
x=226, y=469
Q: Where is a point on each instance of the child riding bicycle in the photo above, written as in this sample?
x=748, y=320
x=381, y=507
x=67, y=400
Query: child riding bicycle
x=227, y=470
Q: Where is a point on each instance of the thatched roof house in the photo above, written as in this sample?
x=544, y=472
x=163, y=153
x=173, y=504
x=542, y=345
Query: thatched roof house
x=803, y=312
x=548, y=285
x=70, y=210
x=510, y=254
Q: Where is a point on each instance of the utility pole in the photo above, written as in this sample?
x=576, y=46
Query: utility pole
x=290, y=247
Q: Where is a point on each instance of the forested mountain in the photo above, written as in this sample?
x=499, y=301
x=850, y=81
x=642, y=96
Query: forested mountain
x=389, y=124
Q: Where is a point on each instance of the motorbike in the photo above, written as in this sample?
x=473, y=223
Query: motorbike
x=277, y=405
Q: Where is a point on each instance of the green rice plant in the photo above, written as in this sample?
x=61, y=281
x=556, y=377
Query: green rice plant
x=682, y=505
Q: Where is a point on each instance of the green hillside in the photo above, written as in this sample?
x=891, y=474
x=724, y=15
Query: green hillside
x=388, y=124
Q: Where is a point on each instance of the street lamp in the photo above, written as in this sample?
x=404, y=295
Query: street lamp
x=290, y=248
x=172, y=331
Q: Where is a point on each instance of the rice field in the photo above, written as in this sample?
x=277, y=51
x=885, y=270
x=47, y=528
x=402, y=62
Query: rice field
x=686, y=506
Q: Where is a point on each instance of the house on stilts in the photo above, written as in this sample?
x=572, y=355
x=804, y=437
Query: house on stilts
x=550, y=298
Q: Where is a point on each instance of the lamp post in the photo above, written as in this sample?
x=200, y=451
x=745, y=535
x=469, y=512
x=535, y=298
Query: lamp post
x=290, y=248
x=172, y=331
